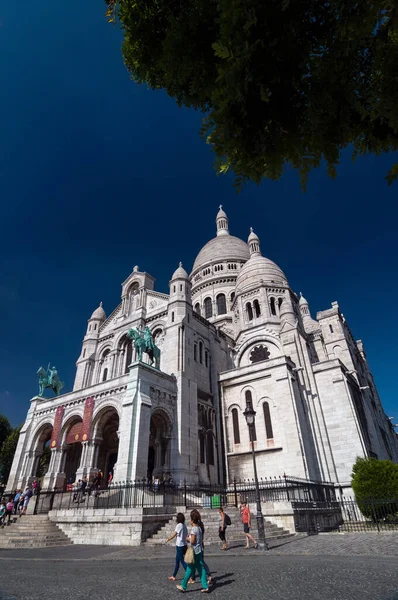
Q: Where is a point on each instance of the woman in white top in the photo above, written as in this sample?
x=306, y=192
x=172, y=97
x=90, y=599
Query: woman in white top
x=196, y=540
x=181, y=533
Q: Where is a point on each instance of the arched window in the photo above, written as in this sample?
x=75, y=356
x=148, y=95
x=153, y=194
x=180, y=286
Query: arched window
x=232, y=297
x=210, y=448
x=129, y=356
x=235, y=424
x=84, y=352
x=273, y=308
x=249, y=400
x=156, y=334
x=267, y=421
x=201, y=447
x=259, y=353
x=208, y=308
x=197, y=308
x=280, y=300
x=249, y=311
x=257, y=308
x=249, y=404
x=221, y=304
x=200, y=352
x=195, y=352
x=105, y=375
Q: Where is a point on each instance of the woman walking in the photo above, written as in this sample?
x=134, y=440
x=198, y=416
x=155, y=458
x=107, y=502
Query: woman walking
x=221, y=528
x=197, y=545
x=208, y=572
x=181, y=533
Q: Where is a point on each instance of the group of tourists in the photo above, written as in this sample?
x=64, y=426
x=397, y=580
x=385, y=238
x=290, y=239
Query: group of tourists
x=190, y=546
x=160, y=484
x=16, y=505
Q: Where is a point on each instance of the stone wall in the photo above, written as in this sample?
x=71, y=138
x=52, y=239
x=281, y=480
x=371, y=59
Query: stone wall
x=111, y=527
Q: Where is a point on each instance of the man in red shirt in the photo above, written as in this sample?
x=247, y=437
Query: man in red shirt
x=246, y=520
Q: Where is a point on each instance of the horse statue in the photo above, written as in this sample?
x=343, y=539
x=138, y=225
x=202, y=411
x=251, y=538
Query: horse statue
x=49, y=379
x=143, y=342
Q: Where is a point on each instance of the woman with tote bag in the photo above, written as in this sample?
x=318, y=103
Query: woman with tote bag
x=194, y=556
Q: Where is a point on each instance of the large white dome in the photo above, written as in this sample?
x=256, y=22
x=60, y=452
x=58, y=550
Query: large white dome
x=222, y=248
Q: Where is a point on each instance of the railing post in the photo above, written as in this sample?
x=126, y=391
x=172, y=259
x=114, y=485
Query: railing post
x=375, y=516
x=236, y=494
x=185, y=493
x=287, y=489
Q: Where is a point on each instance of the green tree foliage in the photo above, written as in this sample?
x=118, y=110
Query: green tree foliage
x=374, y=481
x=279, y=82
x=7, y=453
x=5, y=429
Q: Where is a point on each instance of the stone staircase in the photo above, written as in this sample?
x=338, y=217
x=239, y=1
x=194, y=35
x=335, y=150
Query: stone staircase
x=32, y=531
x=210, y=518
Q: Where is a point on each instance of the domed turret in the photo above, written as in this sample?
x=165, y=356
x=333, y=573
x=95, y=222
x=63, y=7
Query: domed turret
x=254, y=243
x=180, y=273
x=309, y=324
x=286, y=311
x=258, y=270
x=222, y=222
x=99, y=314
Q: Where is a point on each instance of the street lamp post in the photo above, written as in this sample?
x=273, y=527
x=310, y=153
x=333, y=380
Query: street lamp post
x=250, y=415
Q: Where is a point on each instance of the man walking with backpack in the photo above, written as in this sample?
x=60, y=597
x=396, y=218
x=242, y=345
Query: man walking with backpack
x=246, y=520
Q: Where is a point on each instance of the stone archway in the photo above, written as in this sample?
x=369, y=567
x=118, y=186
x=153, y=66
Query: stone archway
x=42, y=452
x=107, y=433
x=73, y=449
x=159, y=444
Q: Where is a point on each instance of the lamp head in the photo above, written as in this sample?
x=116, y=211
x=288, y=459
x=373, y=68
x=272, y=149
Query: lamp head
x=250, y=415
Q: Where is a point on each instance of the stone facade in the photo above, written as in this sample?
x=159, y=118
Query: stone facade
x=232, y=334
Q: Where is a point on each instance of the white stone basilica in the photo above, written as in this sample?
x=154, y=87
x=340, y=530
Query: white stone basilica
x=232, y=333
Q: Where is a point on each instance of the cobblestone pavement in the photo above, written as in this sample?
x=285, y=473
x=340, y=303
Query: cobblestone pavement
x=323, y=567
x=364, y=544
x=270, y=577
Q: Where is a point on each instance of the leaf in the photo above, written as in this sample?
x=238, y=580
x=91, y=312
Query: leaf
x=392, y=174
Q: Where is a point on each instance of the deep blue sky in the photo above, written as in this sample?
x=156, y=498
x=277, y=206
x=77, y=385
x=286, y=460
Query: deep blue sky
x=98, y=174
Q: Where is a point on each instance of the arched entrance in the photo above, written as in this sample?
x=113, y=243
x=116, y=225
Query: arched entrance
x=159, y=445
x=42, y=451
x=73, y=451
x=107, y=431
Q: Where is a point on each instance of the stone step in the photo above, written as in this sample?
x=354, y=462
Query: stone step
x=35, y=545
x=35, y=531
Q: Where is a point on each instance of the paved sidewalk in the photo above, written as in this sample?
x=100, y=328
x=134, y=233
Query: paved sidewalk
x=333, y=544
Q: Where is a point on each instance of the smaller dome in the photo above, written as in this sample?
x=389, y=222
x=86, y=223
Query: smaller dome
x=253, y=237
x=221, y=213
x=259, y=270
x=286, y=309
x=99, y=313
x=180, y=273
x=302, y=300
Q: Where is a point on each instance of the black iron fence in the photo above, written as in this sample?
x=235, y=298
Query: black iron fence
x=315, y=506
x=146, y=494
x=346, y=515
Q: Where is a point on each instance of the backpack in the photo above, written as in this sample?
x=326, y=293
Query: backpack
x=10, y=506
x=227, y=520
